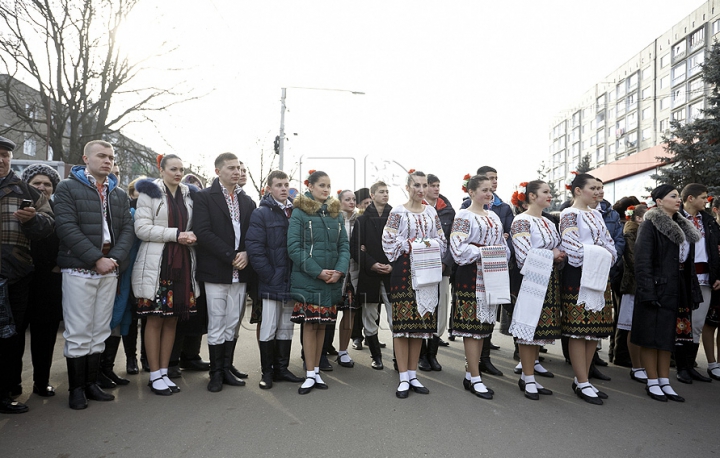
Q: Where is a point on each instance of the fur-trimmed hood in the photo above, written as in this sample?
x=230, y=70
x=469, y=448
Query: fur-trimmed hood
x=311, y=206
x=677, y=229
x=153, y=188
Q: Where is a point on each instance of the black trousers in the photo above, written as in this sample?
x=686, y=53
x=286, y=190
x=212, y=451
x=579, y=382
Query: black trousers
x=11, y=349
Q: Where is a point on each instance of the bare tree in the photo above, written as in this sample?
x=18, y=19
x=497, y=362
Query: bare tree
x=81, y=84
x=268, y=162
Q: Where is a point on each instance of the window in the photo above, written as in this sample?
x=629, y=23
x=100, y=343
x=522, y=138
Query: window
x=601, y=102
x=631, y=122
x=632, y=101
x=647, y=72
x=620, y=108
x=697, y=38
x=646, y=94
x=592, y=141
x=556, y=158
x=679, y=116
x=631, y=140
x=576, y=119
x=646, y=113
x=696, y=88
x=646, y=134
x=584, y=129
x=679, y=49
x=620, y=146
x=620, y=89
x=561, y=143
x=664, y=125
x=678, y=73
x=600, y=119
x=600, y=155
x=611, y=149
x=584, y=145
x=575, y=150
x=585, y=113
x=695, y=110
x=665, y=103
x=664, y=82
x=611, y=96
x=632, y=81
x=664, y=60
x=575, y=136
x=678, y=96
x=600, y=137
x=611, y=132
x=29, y=146
x=694, y=64
x=716, y=27
x=611, y=113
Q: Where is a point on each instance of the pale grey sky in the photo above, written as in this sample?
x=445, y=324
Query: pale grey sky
x=449, y=86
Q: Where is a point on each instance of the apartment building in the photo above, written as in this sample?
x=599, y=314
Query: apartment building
x=620, y=121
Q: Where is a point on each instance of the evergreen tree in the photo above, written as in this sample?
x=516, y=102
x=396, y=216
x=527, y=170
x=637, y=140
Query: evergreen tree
x=584, y=164
x=694, y=147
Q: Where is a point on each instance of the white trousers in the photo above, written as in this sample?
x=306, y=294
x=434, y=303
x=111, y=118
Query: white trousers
x=225, y=303
x=276, y=322
x=443, y=306
x=371, y=312
x=87, y=310
x=699, y=315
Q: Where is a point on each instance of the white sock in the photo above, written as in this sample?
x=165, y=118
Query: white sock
x=665, y=386
x=478, y=385
x=530, y=386
x=158, y=380
x=318, y=379
x=589, y=393
x=468, y=376
x=715, y=371
x=344, y=357
x=538, y=367
x=166, y=379
x=639, y=372
x=404, y=378
x=411, y=374
x=653, y=386
x=519, y=366
x=712, y=366
x=317, y=370
x=522, y=376
x=413, y=379
x=309, y=380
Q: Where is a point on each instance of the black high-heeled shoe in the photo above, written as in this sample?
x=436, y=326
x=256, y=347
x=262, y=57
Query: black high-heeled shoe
x=308, y=389
x=600, y=394
x=467, y=384
x=480, y=394
x=544, y=391
x=46, y=392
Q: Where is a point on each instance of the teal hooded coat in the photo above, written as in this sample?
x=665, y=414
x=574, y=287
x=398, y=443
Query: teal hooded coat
x=317, y=240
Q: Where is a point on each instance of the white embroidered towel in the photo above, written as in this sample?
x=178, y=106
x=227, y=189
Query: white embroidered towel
x=536, y=277
x=593, y=282
x=426, y=272
x=493, y=286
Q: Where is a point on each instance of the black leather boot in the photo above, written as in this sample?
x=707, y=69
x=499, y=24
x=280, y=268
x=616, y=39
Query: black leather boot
x=595, y=373
x=681, y=363
x=373, y=344
x=282, y=361
x=486, y=365
x=107, y=378
x=217, y=366
x=267, y=351
x=433, y=345
x=92, y=369
x=130, y=345
x=228, y=376
x=233, y=370
x=423, y=363
x=565, y=341
x=190, y=359
x=76, y=382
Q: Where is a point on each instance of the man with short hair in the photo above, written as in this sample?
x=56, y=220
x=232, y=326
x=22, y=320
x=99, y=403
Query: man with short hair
x=221, y=220
x=96, y=234
x=707, y=268
x=19, y=225
x=267, y=250
x=374, y=274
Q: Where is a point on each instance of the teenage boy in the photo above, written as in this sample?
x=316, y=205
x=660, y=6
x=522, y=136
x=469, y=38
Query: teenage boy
x=266, y=245
x=221, y=220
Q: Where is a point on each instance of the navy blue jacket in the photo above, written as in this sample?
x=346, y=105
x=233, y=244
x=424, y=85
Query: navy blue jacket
x=614, y=226
x=266, y=244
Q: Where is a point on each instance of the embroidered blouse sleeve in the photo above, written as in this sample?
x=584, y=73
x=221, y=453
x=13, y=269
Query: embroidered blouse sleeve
x=395, y=236
x=521, y=239
x=500, y=240
x=461, y=248
x=570, y=238
x=438, y=234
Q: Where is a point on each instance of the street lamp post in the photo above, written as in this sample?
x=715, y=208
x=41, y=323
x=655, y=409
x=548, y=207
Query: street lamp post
x=281, y=137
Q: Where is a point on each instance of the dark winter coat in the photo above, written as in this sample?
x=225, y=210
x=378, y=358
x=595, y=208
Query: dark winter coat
x=317, y=240
x=660, y=284
x=78, y=222
x=17, y=262
x=216, y=237
x=267, y=248
x=627, y=285
x=614, y=226
x=711, y=245
x=368, y=231
x=446, y=213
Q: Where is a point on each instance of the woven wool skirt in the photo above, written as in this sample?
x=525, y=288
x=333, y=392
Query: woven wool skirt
x=576, y=321
x=406, y=320
x=548, y=327
x=464, y=308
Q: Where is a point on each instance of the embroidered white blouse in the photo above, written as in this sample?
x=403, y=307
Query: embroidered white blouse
x=579, y=227
x=470, y=231
x=530, y=232
x=404, y=226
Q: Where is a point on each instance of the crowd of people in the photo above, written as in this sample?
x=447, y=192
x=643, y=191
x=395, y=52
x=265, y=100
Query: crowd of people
x=182, y=260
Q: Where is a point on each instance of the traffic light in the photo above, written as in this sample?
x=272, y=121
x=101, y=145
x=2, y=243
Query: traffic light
x=276, y=144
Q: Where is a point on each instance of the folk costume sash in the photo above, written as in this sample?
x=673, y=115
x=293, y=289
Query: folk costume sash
x=528, y=307
x=426, y=272
x=593, y=282
x=493, y=286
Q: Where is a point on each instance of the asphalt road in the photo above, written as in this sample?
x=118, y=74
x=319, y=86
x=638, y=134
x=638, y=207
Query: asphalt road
x=359, y=416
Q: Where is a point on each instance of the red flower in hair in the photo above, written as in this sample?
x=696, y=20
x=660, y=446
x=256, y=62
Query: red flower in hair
x=466, y=178
x=311, y=171
x=568, y=187
x=411, y=171
x=306, y=183
x=339, y=191
x=710, y=198
x=159, y=159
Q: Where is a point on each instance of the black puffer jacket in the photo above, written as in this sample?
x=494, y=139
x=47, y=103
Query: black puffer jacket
x=266, y=244
x=78, y=222
x=368, y=231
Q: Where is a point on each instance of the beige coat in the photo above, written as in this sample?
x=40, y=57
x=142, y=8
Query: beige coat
x=151, y=226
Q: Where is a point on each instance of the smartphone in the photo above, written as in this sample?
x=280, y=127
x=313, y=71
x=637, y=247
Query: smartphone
x=25, y=203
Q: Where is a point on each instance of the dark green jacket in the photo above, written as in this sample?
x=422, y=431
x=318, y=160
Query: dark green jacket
x=317, y=240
